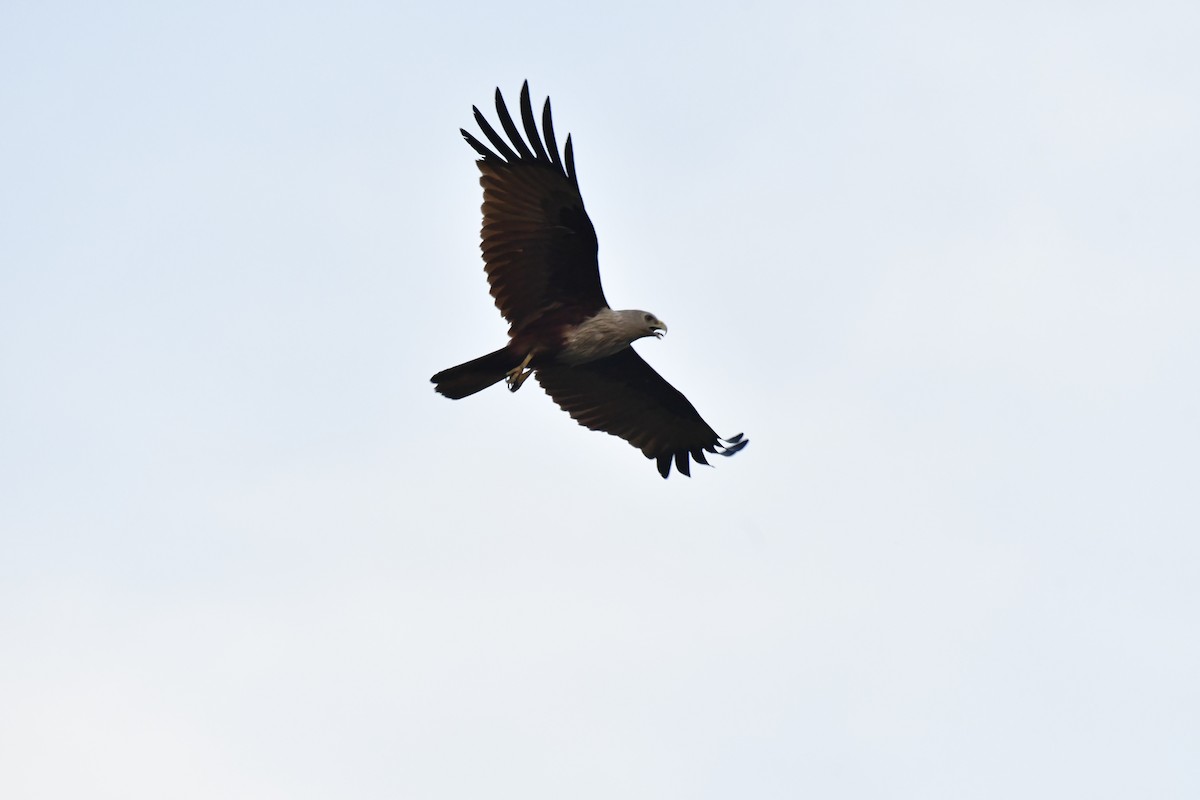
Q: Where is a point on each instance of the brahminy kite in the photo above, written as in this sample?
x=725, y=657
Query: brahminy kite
x=539, y=250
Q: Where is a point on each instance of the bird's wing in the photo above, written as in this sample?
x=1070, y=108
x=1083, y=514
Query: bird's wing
x=538, y=244
x=624, y=396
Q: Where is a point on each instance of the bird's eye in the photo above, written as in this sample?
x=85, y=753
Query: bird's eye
x=649, y=318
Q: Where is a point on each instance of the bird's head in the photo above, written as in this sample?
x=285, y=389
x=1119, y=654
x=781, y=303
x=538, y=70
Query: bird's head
x=647, y=324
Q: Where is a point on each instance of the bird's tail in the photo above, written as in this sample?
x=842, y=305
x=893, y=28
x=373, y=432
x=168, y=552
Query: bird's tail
x=474, y=376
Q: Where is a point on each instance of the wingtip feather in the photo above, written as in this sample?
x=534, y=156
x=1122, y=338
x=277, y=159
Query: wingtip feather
x=728, y=447
x=664, y=465
x=569, y=157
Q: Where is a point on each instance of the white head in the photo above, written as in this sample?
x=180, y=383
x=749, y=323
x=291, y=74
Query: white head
x=638, y=324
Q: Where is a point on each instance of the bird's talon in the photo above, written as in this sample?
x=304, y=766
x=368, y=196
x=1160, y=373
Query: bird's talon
x=517, y=375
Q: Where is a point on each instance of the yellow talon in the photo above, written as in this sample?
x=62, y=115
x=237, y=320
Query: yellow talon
x=517, y=375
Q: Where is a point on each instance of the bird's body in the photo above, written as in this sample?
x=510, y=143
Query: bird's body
x=540, y=248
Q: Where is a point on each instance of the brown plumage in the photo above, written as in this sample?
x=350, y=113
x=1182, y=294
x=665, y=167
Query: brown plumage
x=539, y=250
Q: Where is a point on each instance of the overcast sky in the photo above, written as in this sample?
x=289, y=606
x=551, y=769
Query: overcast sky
x=938, y=260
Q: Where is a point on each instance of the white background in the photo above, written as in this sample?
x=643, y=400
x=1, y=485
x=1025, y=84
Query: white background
x=939, y=261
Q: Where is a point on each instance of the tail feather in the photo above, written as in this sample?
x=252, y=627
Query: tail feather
x=474, y=376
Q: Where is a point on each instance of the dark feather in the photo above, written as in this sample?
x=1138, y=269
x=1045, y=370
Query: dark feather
x=530, y=123
x=510, y=128
x=475, y=143
x=548, y=129
x=496, y=139
x=569, y=154
x=622, y=395
x=539, y=246
x=664, y=465
x=476, y=375
x=731, y=446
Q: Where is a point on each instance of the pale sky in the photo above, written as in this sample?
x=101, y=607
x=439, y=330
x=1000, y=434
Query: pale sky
x=939, y=262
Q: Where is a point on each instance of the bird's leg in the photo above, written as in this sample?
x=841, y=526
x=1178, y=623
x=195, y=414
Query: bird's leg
x=517, y=375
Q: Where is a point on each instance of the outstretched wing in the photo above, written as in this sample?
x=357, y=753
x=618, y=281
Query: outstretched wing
x=624, y=396
x=538, y=244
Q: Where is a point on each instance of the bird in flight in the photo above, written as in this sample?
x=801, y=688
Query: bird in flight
x=539, y=250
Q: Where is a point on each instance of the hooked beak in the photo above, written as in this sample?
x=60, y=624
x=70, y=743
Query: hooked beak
x=659, y=328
